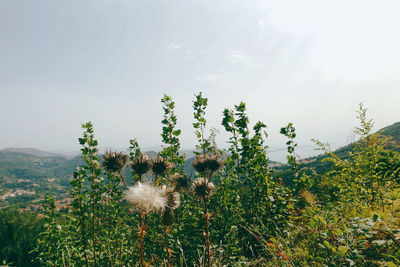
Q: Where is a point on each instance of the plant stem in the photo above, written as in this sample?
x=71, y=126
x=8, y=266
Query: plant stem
x=141, y=236
x=166, y=245
x=207, y=235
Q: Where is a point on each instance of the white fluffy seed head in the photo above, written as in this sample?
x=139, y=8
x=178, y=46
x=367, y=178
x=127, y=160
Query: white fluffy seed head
x=146, y=197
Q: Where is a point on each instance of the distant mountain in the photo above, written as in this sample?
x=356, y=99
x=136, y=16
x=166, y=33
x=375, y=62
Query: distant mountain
x=31, y=151
x=27, y=174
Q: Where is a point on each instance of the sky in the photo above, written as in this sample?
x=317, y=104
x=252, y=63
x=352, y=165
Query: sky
x=66, y=62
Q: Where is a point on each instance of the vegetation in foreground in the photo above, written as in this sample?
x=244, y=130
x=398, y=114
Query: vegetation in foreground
x=233, y=212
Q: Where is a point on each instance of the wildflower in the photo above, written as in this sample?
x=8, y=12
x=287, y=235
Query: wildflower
x=173, y=198
x=203, y=188
x=199, y=163
x=207, y=162
x=146, y=197
x=181, y=182
x=114, y=161
x=214, y=163
x=160, y=165
x=141, y=164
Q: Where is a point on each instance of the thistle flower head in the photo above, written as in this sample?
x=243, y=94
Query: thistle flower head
x=160, y=165
x=181, y=182
x=213, y=162
x=207, y=162
x=203, y=188
x=173, y=198
x=114, y=161
x=167, y=217
x=199, y=163
x=146, y=197
x=141, y=164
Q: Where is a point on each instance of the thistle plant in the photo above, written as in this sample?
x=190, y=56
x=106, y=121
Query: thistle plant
x=152, y=198
x=206, y=164
x=253, y=221
x=115, y=163
x=203, y=189
x=146, y=199
x=140, y=165
x=160, y=166
x=180, y=182
x=173, y=201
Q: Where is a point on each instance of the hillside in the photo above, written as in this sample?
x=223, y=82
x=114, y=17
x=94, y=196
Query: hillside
x=392, y=131
x=27, y=177
x=27, y=174
x=31, y=151
x=317, y=163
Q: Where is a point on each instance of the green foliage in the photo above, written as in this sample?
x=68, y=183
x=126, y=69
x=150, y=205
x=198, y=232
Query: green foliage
x=199, y=106
x=248, y=181
x=238, y=212
x=368, y=170
x=289, y=132
x=50, y=247
x=170, y=135
x=18, y=232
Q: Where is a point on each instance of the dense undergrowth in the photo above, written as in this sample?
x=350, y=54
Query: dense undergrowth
x=232, y=212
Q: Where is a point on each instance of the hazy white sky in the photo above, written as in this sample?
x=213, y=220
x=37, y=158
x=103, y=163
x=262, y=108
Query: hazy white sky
x=306, y=62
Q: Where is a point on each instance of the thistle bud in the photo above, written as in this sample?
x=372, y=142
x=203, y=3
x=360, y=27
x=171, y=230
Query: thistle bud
x=199, y=163
x=141, y=164
x=114, y=161
x=213, y=163
x=160, y=165
x=203, y=188
x=181, y=182
x=207, y=162
x=173, y=198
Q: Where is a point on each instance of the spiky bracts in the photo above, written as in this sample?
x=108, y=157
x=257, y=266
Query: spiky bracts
x=180, y=182
x=160, y=165
x=141, y=164
x=173, y=201
x=214, y=162
x=173, y=198
x=203, y=188
x=114, y=161
x=207, y=162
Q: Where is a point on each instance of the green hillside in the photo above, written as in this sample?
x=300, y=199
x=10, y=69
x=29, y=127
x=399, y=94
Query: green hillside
x=316, y=163
x=29, y=174
x=27, y=177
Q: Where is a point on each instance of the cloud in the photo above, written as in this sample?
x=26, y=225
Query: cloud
x=209, y=77
x=239, y=57
x=174, y=46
